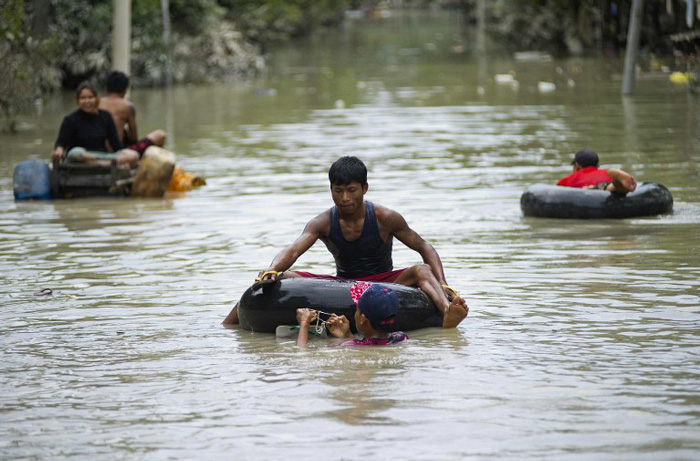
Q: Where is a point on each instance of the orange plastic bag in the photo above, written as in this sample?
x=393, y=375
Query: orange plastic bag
x=183, y=181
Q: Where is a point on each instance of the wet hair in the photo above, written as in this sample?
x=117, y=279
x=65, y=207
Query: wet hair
x=117, y=82
x=346, y=170
x=586, y=158
x=90, y=87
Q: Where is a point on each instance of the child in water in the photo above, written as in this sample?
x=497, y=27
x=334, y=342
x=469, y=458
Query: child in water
x=377, y=306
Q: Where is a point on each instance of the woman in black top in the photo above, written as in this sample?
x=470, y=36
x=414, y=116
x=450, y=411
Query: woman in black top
x=88, y=135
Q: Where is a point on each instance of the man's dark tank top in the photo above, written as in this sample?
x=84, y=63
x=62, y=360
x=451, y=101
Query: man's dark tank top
x=364, y=256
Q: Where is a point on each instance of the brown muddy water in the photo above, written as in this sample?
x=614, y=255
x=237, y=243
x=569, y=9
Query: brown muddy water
x=583, y=340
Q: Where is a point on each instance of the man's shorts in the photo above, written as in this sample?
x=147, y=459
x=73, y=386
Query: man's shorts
x=386, y=277
x=141, y=145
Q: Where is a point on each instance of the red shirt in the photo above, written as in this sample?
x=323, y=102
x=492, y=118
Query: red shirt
x=589, y=176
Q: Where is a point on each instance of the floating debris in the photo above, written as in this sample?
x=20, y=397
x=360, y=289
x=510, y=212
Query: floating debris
x=546, y=87
x=532, y=56
x=680, y=78
x=44, y=292
x=505, y=79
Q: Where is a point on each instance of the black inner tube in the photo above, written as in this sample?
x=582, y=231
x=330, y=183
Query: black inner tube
x=547, y=201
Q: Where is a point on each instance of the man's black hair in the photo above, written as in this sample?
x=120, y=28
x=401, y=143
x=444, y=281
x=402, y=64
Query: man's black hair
x=586, y=158
x=346, y=170
x=117, y=82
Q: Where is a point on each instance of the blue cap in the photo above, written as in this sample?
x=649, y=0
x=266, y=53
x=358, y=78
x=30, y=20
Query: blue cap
x=379, y=304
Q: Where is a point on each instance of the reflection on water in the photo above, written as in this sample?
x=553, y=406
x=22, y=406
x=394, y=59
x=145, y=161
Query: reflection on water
x=582, y=339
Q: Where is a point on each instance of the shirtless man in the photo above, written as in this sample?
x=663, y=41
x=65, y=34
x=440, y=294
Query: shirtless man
x=124, y=115
x=359, y=235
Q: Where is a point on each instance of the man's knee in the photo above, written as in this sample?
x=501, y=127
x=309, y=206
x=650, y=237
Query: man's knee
x=157, y=137
x=128, y=156
x=422, y=271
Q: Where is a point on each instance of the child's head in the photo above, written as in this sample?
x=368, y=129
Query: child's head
x=379, y=305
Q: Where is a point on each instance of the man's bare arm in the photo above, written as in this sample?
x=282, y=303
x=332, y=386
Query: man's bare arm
x=315, y=229
x=397, y=226
x=132, y=133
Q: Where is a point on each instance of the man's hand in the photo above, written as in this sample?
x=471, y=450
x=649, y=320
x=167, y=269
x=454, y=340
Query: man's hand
x=265, y=278
x=267, y=275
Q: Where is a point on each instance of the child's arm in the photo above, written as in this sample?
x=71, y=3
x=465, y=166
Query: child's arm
x=339, y=326
x=304, y=317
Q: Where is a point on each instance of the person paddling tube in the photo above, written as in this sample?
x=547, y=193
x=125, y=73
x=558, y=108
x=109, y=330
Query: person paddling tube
x=547, y=201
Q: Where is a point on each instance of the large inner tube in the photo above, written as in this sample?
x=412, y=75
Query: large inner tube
x=547, y=201
x=275, y=304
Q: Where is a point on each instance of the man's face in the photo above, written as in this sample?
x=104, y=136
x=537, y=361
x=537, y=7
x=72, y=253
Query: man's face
x=349, y=197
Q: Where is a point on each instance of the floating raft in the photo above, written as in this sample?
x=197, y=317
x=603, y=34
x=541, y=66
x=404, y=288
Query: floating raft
x=155, y=175
x=264, y=309
x=547, y=201
x=76, y=180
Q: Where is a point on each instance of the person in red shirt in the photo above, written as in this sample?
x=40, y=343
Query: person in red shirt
x=586, y=175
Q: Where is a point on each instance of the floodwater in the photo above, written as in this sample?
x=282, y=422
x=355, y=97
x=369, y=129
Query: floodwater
x=583, y=340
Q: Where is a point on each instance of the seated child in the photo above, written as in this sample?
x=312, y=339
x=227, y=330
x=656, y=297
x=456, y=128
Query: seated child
x=587, y=175
x=377, y=306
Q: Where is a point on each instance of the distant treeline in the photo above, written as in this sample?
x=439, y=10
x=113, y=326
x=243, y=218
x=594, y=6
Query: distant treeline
x=566, y=27
x=47, y=44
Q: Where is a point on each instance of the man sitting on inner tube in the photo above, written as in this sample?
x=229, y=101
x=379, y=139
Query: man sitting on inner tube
x=586, y=175
x=359, y=235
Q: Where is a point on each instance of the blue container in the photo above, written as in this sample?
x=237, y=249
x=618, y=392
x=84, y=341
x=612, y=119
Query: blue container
x=32, y=180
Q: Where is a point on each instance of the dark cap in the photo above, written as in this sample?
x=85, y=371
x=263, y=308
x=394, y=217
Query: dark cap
x=585, y=158
x=379, y=304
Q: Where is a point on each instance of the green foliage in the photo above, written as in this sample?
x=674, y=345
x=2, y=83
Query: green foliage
x=566, y=27
x=209, y=38
x=83, y=29
x=194, y=17
x=204, y=47
x=271, y=21
x=28, y=64
x=11, y=18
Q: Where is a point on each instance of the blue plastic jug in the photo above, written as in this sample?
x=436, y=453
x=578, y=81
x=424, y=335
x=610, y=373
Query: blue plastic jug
x=32, y=180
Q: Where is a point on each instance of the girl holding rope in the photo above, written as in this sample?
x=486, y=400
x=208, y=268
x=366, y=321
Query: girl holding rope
x=377, y=306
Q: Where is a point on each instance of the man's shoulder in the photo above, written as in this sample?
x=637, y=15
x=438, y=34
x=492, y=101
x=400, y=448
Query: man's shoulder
x=321, y=222
x=385, y=213
x=115, y=103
